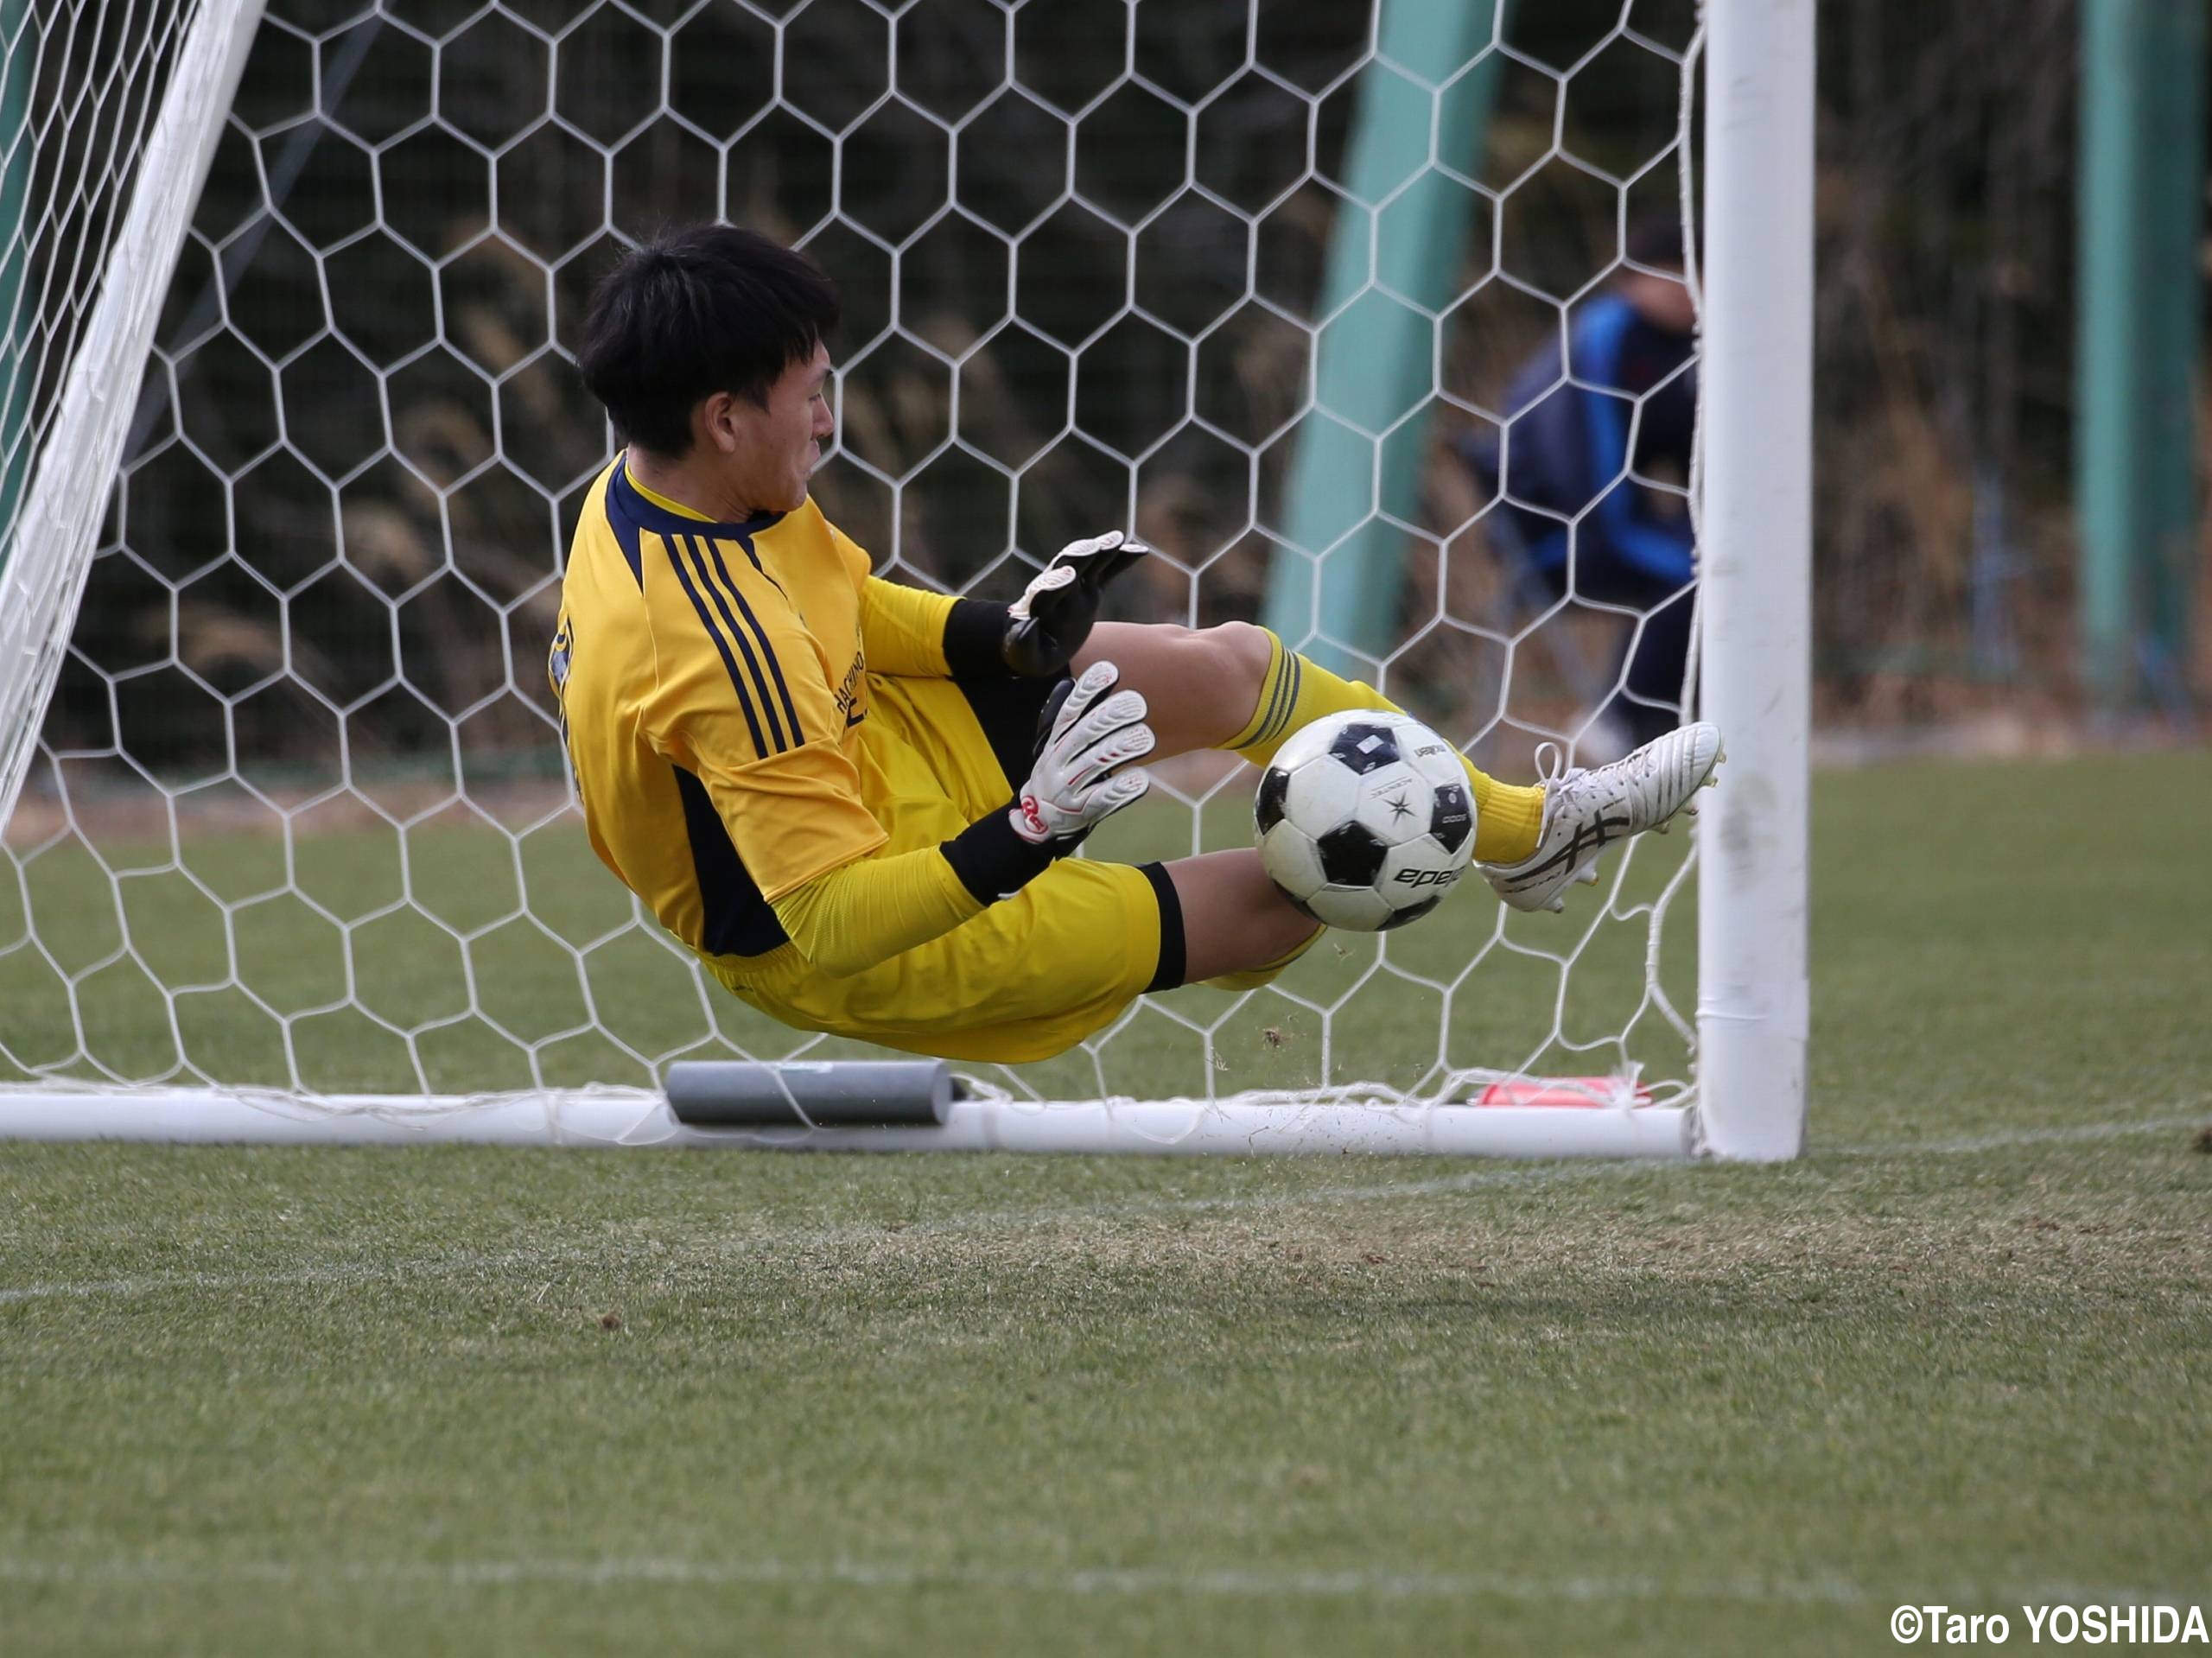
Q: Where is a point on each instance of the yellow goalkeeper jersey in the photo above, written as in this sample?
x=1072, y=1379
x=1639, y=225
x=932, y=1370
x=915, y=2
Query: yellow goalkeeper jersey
x=714, y=685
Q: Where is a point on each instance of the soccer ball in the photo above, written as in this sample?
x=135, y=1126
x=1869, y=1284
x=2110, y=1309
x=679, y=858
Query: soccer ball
x=1364, y=819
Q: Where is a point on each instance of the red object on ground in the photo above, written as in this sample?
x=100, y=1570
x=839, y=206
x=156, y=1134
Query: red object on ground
x=1585, y=1093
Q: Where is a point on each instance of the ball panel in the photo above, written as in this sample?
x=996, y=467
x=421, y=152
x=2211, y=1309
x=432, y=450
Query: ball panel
x=1433, y=757
x=1306, y=743
x=1418, y=870
x=1394, y=803
x=1356, y=909
x=1289, y=855
x=1322, y=795
x=1451, y=817
x=1267, y=804
x=1362, y=746
x=1400, y=918
x=1350, y=855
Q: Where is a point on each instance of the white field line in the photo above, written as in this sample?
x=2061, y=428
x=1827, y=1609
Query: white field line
x=360, y=1273
x=2073, y=1133
x=341, y=1275
x=1234, y=1581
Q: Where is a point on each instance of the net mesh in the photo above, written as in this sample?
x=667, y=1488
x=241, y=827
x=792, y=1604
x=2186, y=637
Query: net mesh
x=297, y=819
x=79, y=91
x=79, y=87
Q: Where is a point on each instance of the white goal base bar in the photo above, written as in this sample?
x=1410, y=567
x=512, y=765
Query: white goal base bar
x=636, y=1117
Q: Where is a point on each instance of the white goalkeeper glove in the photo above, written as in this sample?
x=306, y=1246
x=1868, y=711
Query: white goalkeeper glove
x=1048, y=624
x=1084, y=771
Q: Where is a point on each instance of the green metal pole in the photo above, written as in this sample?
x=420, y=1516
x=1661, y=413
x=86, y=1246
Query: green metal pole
x=2140, y=183
x=19, y=40
x=1395, y=259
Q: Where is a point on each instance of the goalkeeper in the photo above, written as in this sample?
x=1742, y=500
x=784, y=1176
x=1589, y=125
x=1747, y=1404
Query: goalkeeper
x=855, y=800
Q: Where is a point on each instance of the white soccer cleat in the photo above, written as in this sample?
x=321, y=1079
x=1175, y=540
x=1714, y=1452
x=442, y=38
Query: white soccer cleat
x=1585, y=812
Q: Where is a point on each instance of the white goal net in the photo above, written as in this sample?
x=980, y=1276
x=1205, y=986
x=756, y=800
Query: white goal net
x=291, y=825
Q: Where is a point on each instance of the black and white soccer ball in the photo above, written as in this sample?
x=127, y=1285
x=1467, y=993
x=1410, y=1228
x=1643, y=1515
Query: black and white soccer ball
x=1365, y=821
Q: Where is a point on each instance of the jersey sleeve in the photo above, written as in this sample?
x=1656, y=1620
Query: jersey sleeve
x=902, y=629
x=850, y=919
x=740, y=701
x=920, y=635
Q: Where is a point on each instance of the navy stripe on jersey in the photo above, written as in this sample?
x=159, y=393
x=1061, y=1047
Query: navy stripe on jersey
x=739, y=921
x=745, y=542
x=622, y=520
x=783, y=691
x=707, y=621
x=747, y=643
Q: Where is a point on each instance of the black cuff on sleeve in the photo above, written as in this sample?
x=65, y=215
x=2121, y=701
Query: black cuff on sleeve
x=994, y=862
x=1173, y=946
x=974, y=635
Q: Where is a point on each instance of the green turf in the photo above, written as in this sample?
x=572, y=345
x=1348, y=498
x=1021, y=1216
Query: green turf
x=477, y=1402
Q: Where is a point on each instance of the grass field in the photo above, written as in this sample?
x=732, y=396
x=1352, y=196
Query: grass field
x=482, y=1401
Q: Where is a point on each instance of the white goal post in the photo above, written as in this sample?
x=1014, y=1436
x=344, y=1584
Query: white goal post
x=195, y=916
x=1756, y=558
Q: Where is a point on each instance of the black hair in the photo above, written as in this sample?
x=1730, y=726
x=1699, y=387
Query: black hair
x=692, y=311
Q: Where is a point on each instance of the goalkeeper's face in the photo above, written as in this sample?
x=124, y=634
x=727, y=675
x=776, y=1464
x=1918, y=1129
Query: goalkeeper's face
x=771, y=450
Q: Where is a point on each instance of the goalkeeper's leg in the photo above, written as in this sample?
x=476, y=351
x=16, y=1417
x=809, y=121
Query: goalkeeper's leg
x=1238, y=931
x=1237, y=686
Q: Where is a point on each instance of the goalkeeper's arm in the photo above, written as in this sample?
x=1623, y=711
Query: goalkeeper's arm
x=866, y=912
x=906, y=631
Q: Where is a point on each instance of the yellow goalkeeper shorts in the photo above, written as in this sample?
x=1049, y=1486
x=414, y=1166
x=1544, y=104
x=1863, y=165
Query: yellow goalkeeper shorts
x=1029, y=977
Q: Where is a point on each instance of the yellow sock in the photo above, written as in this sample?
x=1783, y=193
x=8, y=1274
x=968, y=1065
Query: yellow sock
x=1296, y=692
